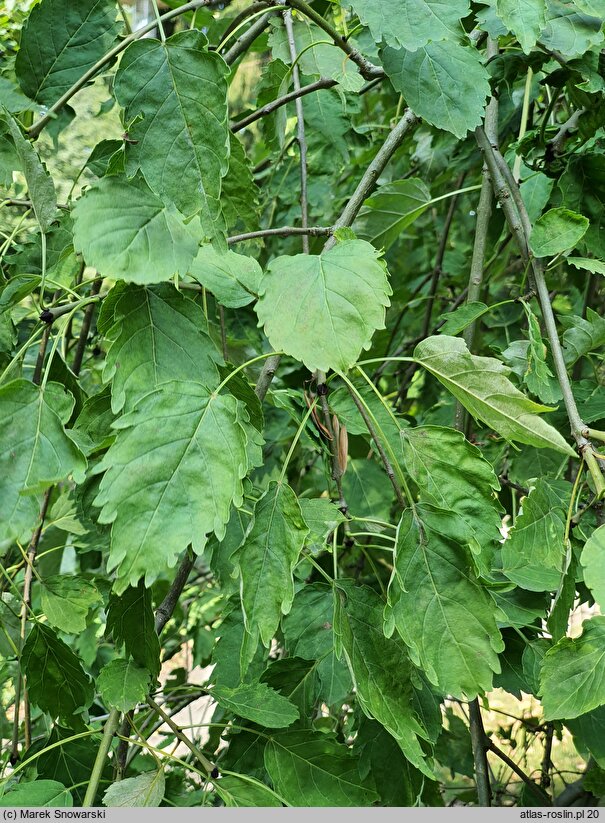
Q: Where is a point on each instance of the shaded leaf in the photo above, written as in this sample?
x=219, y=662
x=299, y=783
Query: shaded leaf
x=234, y=279
x=452, y=474
x=308, y=632
x=243, y=791
x=130, y=621
x=381, y=671
x=40, y=186
x=390, y=210
x=462, y=317
x=56, y=682
x=60, y=41
x=39, y=793
x=533, y=555
x=593, y=563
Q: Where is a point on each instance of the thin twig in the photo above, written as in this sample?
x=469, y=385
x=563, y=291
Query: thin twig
x=367, y=69
x=263, y=111
x=537, y=791
x=480, y=743
x=300, y=129
x=373, y=172
x=281, y=231
x=200, y=757
x=381, y=451
x=164, y=611
x=245, y=41
x=516, y=214
x=111, y=724
x=27, y=590
x=85, y=329
x=546, y=761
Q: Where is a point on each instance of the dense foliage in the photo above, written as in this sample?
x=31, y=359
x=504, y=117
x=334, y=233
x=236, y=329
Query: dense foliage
x=300, y=396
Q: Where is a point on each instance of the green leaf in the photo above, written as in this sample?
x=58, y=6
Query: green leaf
x=381, y=757
x=525, y=18
x=234, y=279
x=411, y=23
x=482, y=386
x=123, y=684
x=39, y=182
x=71, y=762
x=35, y=451
x=60, y=40
x=557, y=230
x=66, y=600
x=589, y=733
x=596, y=8
x=146, y=789
x=593, y=562
x=308, y=768
x=125, y=230
x=322, y=517
x=56, y=682
x=178, y=137
x=323, y=309
x=588, y=264
x=569, y=31
x=327, y=121
x=582, y=336
x=460, y=318
x=240, y=193
x=173, y=435
x=537, y=376
x=13, y=100
x=39, y=793
x=533, y=556
x=226, y=655
x=453, y=475
x=265, y=562
x=257, y=702
x=308, y=633
x=157, y=335
x=381, y=670
x=319, y=57
x=240, y=791
x=130, y=621
x=296, y=679
x=573, y=675
x=438, y=607
x=536, y=191
x=444, y=83
x=390, y=210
